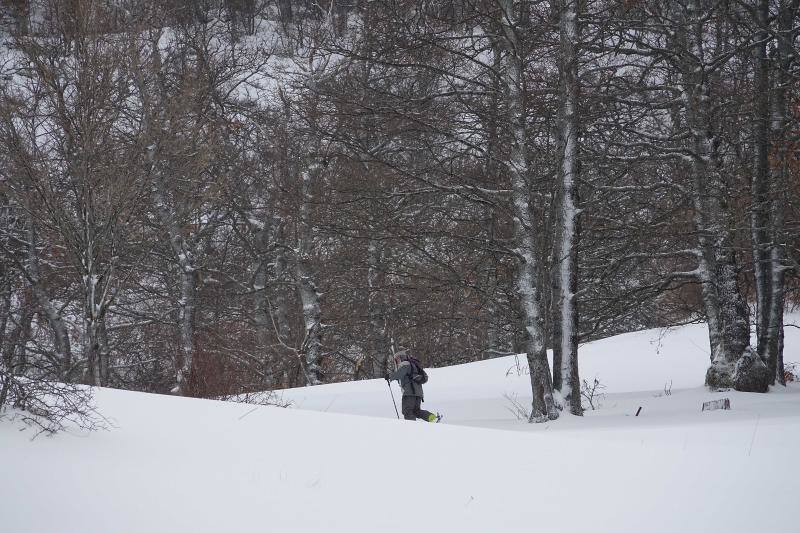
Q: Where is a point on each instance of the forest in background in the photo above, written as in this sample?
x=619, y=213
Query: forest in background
x=211, y=198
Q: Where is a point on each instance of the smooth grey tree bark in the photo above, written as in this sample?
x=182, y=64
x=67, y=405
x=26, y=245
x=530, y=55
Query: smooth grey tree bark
x=529, y=266
x=310, y=297
x=784, y=61
x=565, y=320
x=733, y=362
x=760, y=186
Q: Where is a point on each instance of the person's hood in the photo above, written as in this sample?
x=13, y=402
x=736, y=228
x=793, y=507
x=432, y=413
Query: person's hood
x=402, y=355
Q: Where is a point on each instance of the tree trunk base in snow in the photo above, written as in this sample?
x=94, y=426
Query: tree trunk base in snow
x=539, y=418
x=748, y=374
x=719, y=376
x=751, y=374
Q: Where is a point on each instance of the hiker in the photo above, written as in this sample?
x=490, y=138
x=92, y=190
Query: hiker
x=411, y=376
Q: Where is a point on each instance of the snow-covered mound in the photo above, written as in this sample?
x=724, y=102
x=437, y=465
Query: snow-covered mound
x=653, y=369
x=175, y=464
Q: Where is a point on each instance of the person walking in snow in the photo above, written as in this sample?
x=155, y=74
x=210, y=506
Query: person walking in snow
x=411, y=376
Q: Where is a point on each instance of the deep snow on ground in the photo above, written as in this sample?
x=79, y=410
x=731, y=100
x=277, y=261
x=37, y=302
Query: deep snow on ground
x=176, y=464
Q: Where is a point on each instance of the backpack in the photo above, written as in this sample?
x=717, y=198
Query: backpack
x=418, y=374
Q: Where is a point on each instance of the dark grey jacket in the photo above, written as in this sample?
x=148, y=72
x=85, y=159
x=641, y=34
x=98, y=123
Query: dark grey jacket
x=403, y=375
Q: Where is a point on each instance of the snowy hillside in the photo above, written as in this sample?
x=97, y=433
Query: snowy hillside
x=176, y=464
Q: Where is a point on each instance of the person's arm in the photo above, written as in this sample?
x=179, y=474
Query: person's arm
x=401, y=371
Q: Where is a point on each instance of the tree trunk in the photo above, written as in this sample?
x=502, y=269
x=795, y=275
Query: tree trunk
x=61, y=342
x=786, y=55
x=91, y=342
x=186, y=317
x=261, y=308
x=760, y=217
x=187, y=303
x=281, y=305
x=376, y=362
x=732, y=362
x=5, y=306
x=527, y=273
x=565, y=319
x=496, y=340
x=270, y=313
x=91, y=307
x=20, y=366
x=15, y=341
x=310, y=298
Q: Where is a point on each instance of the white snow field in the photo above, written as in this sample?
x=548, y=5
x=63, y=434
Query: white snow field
x=176, y=464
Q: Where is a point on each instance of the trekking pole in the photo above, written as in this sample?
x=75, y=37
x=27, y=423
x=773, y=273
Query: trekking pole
x=389, y=383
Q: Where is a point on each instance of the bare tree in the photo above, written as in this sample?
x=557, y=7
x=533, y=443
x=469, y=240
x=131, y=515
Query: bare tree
x=565, y=320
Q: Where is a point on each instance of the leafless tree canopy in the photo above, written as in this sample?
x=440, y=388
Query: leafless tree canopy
x=211, y=197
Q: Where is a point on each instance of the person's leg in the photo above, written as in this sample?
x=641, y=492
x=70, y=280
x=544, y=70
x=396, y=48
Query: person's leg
x=422, y=413
x=410, y=407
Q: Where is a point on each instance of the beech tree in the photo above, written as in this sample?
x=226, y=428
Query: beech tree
x=219, y=197
x=565, y=320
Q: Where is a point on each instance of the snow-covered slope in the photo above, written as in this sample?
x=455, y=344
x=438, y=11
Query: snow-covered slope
x=175, y=464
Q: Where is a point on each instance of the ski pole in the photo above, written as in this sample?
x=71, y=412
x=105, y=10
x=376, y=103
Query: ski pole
x=389, y=383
